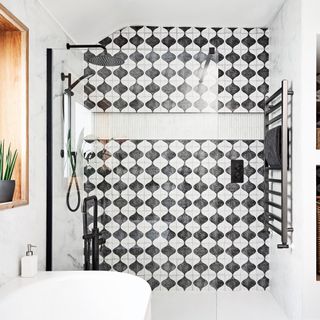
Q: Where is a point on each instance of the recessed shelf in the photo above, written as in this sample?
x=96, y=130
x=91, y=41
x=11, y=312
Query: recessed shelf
x=14, y=99
x=13, y=204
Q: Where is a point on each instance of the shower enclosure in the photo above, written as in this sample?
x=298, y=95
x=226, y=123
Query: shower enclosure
x=156, y=158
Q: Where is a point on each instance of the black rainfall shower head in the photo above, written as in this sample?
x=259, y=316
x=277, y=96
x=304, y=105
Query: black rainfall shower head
x=103, y=59
x=106, y=59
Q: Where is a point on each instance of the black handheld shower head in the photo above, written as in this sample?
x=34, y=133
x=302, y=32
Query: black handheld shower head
x=71, y=86
x=84, y=76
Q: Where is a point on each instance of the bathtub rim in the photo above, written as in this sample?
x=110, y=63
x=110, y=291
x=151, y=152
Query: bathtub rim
x=21, y=284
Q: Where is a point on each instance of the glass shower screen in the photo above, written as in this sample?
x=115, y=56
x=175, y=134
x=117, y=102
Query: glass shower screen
x=134, y=155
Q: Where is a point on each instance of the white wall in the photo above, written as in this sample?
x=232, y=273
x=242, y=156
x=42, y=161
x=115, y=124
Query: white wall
x=293, y=56
x=310, y=157
x=26, y=224
x=285, y=56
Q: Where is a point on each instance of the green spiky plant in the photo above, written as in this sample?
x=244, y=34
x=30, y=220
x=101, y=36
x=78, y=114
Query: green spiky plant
x=7, y=161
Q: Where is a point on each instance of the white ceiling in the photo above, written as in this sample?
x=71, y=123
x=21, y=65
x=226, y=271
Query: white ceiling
x=88, y=21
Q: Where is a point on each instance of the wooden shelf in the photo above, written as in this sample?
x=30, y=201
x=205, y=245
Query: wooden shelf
x=14, y=99
x=13, y=204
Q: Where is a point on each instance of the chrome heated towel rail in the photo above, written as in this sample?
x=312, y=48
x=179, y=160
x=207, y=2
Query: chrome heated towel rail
x=276, y=199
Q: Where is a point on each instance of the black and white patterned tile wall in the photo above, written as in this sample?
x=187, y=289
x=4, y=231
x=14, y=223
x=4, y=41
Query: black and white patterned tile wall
x=164, y=66
x=170, y=214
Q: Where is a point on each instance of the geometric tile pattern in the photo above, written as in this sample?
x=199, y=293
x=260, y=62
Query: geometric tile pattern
x=163, y=67
x=170, y=214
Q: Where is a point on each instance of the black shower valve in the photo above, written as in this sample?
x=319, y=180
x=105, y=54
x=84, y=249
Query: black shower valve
x=237, y=171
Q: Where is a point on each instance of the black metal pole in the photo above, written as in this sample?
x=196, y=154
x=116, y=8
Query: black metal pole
x=49, y=163
x=95, y=234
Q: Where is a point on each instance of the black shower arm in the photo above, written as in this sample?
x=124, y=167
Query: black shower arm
x=84, y=46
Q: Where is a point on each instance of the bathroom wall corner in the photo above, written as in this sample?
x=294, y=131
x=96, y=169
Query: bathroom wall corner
x=285, y=63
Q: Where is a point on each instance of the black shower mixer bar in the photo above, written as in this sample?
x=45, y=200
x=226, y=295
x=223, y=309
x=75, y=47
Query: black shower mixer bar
x=91, y=240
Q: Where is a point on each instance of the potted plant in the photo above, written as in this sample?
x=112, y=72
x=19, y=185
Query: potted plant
x=7, y=163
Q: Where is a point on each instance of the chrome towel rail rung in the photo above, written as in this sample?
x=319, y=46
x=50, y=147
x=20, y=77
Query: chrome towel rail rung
x=273, y=180
x=275, y=193
x=272, y=204
x=273, y=108
x=270, y=168
x=273, y=228
x=273, y=216
x=275, y=119
x=275, y=95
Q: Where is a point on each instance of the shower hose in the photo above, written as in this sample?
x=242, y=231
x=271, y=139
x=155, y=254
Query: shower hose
x=73, y=180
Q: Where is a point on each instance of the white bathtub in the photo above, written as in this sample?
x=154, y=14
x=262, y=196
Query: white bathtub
x=76, y=295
